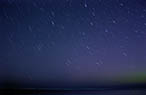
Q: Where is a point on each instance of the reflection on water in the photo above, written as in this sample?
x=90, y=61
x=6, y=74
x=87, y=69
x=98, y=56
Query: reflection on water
x=117, y=92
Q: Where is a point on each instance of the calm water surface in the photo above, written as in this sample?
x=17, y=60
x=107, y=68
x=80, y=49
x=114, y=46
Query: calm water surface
x=117, y=92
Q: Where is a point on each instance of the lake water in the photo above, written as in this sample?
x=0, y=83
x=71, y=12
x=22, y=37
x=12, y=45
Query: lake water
x=117, y=92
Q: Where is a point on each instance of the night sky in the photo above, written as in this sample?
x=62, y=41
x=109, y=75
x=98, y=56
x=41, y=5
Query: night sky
x=71, y=43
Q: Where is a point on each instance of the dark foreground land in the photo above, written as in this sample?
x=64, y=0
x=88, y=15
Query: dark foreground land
x=75, y=92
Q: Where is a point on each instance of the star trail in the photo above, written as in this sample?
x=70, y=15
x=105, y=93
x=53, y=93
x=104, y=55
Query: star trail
x=71, y=43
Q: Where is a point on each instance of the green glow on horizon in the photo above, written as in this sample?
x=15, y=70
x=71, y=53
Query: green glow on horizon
x=137, y=77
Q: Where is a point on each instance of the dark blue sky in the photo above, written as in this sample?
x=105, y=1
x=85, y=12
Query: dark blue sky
x=66, y=43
